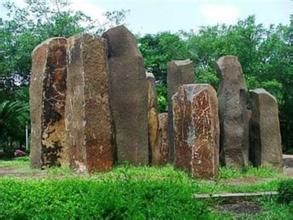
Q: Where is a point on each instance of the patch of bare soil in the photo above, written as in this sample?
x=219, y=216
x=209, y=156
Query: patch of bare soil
x=240, y=208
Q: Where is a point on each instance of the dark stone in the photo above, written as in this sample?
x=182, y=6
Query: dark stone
x=196, y=130
x=129, y=96
x=232, y=110
x=88, y=117
x=179, y=72
x=265, y=136
x=47, y=103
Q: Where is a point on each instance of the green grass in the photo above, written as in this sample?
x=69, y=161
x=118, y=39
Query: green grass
x=20, y=162
x=129, y=192
x=228, y=173
x=122, y=197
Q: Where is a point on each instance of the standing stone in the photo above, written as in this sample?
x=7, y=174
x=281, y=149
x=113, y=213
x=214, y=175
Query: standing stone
x=196, y=130
x=179, y=72
x=88, y=116
x=232, y=111
x=153, y=121
x=47, y=103
x=129, y=96
x=163, y=139
x=265, y=136
x=246, y=141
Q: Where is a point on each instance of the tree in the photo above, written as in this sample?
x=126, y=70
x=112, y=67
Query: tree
x=264, y=53
x=14, y=116
x=157, y=50
x=20, y=32
x=26, y=27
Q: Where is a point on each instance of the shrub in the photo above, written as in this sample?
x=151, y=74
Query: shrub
x=81, y=198
x=286, y=191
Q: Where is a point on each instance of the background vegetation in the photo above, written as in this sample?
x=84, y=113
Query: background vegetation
x=264, y=52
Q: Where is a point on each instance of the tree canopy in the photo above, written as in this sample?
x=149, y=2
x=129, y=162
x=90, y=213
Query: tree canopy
x=265, y=53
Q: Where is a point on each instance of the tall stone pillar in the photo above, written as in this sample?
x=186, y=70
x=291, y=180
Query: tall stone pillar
x=47, y=103
x=179, y=72
x=89, y=137
x=196, y=130
x=153, y=121
x=129, y=96
x=265, y=136
x=163, y=139
x=232, y=111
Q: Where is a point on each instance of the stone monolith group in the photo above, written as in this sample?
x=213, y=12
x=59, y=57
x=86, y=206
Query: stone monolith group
x=93, y=105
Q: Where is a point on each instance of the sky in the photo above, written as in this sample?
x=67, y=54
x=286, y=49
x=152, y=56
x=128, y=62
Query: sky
x=152, y=16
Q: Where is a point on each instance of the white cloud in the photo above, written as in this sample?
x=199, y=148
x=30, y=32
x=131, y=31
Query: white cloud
x=91, y=9
x=216, y=13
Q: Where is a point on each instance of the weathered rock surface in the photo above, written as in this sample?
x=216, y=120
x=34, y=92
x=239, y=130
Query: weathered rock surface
x=47, y=103
x=232, y=111
x=153, y=121
x=179, y=72
x=265, y=137
x=129, y=96
x=163, y=139
x=196, y=130
x=89, y=143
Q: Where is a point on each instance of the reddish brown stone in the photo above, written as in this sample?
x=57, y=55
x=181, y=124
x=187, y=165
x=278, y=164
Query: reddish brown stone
x=88, y=116
x=196, y=130
x=153, y=121
x=265, y=136
x=163, y=139
x=47, y=103
x=179, y=72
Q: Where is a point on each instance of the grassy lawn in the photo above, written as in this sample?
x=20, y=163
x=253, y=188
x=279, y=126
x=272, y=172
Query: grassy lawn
x=131, y=193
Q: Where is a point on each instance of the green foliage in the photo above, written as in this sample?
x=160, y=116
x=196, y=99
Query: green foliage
x=264, y=53
x=159, y=49
x=126, y=192
x=21, y=30
x=25, y=28
x=228, y=173
x=14, y=115
x=124, y=198
x=162, y=97
x=286, y=191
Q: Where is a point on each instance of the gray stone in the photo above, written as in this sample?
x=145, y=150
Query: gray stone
x=232, y=110
x=129, y=96
x=196, y=130
x=47, y=103
x=179, y=72
x=266, y=148
x=89, y=143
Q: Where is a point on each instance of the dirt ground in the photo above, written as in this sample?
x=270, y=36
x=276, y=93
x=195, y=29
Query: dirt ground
x=27, y=172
